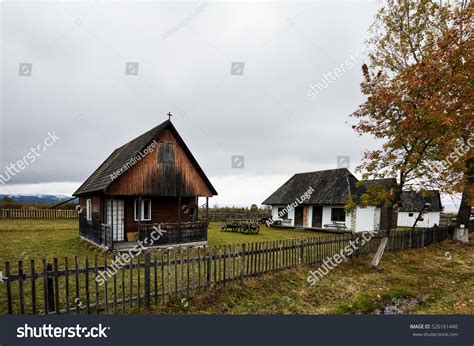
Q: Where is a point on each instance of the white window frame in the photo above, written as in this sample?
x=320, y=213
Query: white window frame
x=142, y=210
x=89, y=209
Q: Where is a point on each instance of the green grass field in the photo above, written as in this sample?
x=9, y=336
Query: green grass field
x=436, y=282
x=38, y=239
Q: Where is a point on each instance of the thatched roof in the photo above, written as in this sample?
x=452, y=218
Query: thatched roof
x=413, y=201
x=333, y=186
x=374, y=186
x=101, y=178
x=336, y=186
x=384, y=182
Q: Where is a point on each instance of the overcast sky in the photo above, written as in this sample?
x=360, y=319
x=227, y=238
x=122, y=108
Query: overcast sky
x=77, y=88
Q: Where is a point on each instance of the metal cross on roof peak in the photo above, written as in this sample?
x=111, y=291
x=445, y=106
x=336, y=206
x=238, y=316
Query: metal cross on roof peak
x=169, y=115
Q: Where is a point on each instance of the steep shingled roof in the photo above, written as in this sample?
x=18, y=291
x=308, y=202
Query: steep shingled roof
x=333, y=186
x=336, y=186
x=413, y=201
x=101, y=178
x=364, y=186
x=385, y=182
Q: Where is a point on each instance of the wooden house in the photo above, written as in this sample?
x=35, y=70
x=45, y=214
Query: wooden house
x=152, y=180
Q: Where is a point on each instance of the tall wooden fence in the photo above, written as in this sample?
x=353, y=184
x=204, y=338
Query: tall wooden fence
x=115, y=285
x=38, y=214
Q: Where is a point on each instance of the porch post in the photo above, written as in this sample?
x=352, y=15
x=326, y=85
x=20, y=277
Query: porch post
x=179, y=218
x=103, y=219
x=196, y=208
x=207, y=215
x=112, y=221
x=139, y=216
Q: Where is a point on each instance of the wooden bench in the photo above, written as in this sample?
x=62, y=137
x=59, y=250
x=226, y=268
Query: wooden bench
x=340, y=226
x=247, y=226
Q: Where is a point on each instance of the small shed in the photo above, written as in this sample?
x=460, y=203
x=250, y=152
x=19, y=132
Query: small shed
x=152, y=182
x=413, y=201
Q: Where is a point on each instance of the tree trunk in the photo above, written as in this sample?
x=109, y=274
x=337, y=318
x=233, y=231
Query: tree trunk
x=466, y=199
x=464, y=211
x=383, y=244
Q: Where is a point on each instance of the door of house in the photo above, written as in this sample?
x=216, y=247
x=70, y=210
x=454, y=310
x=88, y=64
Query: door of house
x=115, y=217
x=317, y=216
x=299, y=216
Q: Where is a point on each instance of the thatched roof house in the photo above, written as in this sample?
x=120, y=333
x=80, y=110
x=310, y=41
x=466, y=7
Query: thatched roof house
x=324, y=207
x=330, y=191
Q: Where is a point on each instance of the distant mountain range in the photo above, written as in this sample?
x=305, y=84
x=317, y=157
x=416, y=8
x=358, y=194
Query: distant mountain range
x=36, y=198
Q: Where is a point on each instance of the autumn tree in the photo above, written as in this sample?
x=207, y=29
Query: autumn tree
x=415, y=113
x=445, y=81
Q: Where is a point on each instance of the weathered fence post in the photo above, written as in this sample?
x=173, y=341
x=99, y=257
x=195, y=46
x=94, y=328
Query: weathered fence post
x=33, y=286
x=9, y=287
x=423, y=231
x=357, y=250
x=50, y=287
x=301, y=251
x=147, y=280
x=208, y=270
x=56, y=285
x=223, y=266
x=242, y=269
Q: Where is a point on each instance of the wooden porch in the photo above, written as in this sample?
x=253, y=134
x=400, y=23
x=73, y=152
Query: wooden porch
x=160, y=235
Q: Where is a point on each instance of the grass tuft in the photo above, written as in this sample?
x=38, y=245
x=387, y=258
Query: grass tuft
x=398, y=292
x=362, y=304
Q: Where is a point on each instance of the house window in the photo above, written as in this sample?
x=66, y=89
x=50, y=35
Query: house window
x=166, y=153
x=282, y=213
x=410, y=214
x=89, y=209
x=338, y=214
x=144, y=210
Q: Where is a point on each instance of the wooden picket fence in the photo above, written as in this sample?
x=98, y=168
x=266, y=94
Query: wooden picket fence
x=38, y=214
x=174, y=274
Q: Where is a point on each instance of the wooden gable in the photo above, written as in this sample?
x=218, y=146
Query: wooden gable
x=168, y=170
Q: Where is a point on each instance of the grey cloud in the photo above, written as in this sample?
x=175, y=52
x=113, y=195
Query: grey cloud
x=79, y=88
